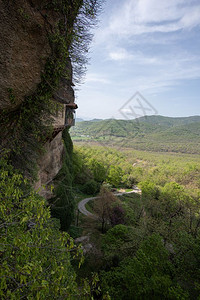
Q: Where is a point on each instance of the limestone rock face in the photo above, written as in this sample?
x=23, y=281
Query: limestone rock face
x=24, y=49
x=49, y=165
x=65, y=92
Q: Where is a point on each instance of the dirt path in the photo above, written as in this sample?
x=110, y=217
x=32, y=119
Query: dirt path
x=82, y=203
x=83, y=210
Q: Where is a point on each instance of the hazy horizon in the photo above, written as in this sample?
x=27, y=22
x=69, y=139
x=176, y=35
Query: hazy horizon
x=90, y=119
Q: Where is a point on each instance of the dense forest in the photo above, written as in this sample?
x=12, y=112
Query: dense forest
x=148, y=243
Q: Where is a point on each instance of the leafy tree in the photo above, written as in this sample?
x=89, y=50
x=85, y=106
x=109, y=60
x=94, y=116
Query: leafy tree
x=98, y=169
x=149, y=190
x=91, y=187
x=128, y=180
x=81, y=172
x=103, y=207
x=147, y=275
x=35, y=257
x=117, y=215
x=115, y=175
x=113, y=243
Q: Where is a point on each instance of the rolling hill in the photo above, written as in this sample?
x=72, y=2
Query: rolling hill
x=151, y=133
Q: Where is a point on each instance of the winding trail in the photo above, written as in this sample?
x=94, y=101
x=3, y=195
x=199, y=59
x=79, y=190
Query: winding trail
x=82, y=203
x=83, y=210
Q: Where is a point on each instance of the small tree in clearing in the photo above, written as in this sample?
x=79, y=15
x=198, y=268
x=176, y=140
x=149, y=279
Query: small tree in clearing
x=117, y=215
x=103, y=207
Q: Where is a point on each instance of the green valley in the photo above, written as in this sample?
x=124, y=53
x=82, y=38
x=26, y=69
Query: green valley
x=151, y=133
x=143, y=246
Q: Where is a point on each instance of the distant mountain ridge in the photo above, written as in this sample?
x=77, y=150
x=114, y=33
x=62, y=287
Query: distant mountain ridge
x=153, y=133
x=79, y=120
x=157, y=119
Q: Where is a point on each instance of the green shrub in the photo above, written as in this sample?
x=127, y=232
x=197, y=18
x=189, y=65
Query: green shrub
x=35, y=257
x=91, y=187
x=75, y=231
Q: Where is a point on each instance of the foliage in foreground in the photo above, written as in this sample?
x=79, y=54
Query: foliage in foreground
x=146, y=275
x=35, y=257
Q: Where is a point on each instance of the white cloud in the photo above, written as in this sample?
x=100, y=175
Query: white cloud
x=163, y=79
x=137, y=57
x=93, y=77
x=192, y=18
x=148, y=16
x=120, y=54
x=149, y=46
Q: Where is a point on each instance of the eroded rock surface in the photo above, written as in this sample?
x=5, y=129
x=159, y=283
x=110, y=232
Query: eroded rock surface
x=24, y=49
x=49, y=165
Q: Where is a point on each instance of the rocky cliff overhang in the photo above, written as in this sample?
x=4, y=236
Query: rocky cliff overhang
x=27, y=27
x=36, y=72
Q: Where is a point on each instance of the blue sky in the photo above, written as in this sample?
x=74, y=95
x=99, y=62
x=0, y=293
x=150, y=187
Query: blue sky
x=149, y=46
